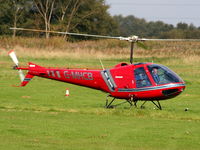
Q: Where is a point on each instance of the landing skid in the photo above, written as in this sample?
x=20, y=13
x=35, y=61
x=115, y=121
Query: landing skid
x=131, y=101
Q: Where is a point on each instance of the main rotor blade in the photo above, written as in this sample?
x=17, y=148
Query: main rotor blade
x=130, y=39
x=170, y=40
x=69, y=33
x=142, y=45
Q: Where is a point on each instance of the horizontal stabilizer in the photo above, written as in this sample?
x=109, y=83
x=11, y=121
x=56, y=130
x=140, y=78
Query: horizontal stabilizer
x=32, y=66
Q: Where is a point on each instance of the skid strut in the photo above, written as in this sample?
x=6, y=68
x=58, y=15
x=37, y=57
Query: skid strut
x=109, y=104
x=157, y=105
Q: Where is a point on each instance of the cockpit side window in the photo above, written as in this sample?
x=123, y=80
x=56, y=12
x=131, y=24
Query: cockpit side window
x=163, y=75
x=141, y=78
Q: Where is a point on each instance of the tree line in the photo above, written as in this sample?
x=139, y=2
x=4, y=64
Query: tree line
x=131, y=24
x=82, y=16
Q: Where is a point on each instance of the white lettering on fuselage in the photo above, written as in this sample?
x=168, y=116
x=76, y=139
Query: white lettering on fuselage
x=78, y=75
x=119, y=77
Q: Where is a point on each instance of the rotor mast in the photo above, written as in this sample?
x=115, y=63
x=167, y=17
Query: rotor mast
x=133, y=39
x=131, y=53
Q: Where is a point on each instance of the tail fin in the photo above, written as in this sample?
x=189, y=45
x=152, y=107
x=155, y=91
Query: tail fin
x=38, y=70
x=26, y=80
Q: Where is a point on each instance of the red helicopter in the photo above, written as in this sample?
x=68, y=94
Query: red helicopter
x=131, y=82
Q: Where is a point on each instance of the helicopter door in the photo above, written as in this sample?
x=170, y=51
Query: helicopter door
x=141, y=78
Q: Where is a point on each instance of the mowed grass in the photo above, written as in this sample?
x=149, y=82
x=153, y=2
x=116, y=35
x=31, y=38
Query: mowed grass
x=39, y=116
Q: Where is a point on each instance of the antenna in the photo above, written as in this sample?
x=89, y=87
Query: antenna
x=101, y=64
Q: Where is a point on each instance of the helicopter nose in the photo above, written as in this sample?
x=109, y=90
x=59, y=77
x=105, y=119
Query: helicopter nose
x=173, y=91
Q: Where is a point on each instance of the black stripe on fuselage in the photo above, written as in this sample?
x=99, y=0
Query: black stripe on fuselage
x=171, y=85
x=27, y=79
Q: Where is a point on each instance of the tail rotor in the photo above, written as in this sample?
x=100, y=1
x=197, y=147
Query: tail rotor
x=16, y=62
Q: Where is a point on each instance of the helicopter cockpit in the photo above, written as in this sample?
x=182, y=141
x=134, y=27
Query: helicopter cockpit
x=159, y=73
x=163, y=75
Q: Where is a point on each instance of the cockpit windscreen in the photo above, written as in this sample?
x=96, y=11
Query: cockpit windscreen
x=163, y=75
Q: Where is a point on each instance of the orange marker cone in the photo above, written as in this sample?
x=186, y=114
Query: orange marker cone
x=67, y=92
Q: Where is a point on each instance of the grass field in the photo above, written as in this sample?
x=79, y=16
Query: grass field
x=40, y=117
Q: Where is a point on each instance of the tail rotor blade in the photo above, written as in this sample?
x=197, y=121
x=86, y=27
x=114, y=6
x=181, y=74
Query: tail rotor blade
x=13, y=57
x=21, y=75
x=16, y=62
x=142, y=45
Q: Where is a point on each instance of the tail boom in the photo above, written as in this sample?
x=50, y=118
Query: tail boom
x=83, y=77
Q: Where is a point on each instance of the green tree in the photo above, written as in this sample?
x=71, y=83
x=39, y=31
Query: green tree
x=19, y=8
x=182, y=26
x=87, y=16
x=130, y=25
x=93, y=17
x=5, y=17
x=45, y=9
x=156, y=28
x=12, y=14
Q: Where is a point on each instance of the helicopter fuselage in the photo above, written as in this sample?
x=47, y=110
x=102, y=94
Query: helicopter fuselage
x=124, y=81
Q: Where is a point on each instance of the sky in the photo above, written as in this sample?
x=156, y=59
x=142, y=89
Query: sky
x=170, y=11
